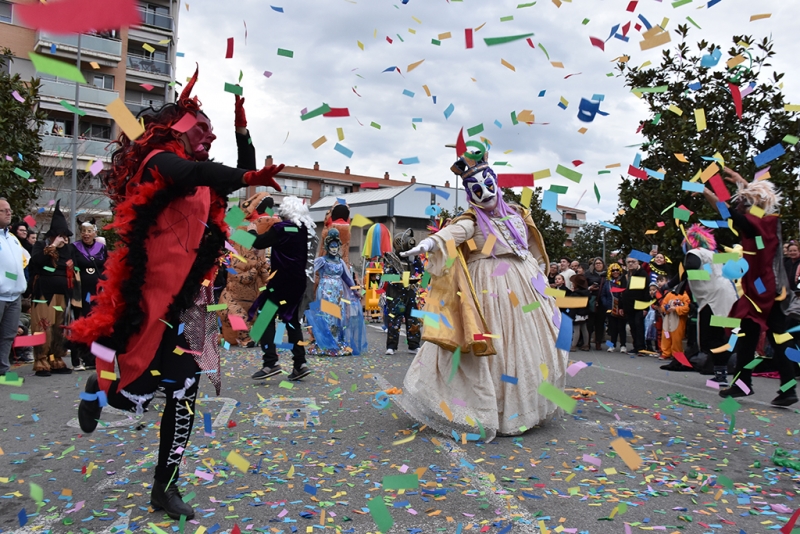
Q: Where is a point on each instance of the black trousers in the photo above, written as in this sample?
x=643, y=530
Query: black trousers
x=178, y=376
x=616, y=330
x=777, y=323
x=597, y=324
x=295, y=334
x=712, y=337
x=635, y=319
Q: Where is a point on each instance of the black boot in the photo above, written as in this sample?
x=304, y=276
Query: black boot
x=167, y=497
x=89, y=411
x=785, y=398
x=735, y=391
x=721, y=376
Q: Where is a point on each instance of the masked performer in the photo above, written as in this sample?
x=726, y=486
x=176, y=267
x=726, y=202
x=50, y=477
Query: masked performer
x=770, y=305
x=53, y=284
x=170, y=207
x=89, y=255
x=401, y=296
x=338, y=217
x=342, y=333
x=474, y=303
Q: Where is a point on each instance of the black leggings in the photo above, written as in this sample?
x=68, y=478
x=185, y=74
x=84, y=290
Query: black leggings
x=746, y=346
x=178, y=376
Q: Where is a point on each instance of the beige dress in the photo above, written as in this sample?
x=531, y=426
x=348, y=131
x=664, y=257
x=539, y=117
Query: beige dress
x=478, y=396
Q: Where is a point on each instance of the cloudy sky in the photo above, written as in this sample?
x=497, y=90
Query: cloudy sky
x=329, y=67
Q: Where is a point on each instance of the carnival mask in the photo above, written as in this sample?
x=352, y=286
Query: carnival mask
x=332, y=248
x=199, y=138
x=482, y=189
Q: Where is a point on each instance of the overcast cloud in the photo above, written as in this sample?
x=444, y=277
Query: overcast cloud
x=328, y=65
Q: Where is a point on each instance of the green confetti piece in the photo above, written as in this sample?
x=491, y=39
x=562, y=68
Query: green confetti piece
x=67, y=451
x=49, y=270
x=324, y=108
x=656, y=119
x=694, y=23
x=725, y=481
x=72, y=109
x=216, y=307
x=724, y=257
x=520, y=6
x=559, y=189
x=241, y=75
x=58, y=308
x=375, y=125
x=622, y=508
x=390, y=278
x=759, y=242
x=436, y=42
x=426, y=279
x=59, y=69
x=243, y=237
x=603, y=405
x=11, y=276
x=680, y=3
x=698, y=274
x=753, y=364
x=286, y=385
x=634, y=203
x=235, y=217
x=557, y=397
x=20, y=172
x=545, y=51
x=285, y=53
x=658, y=89
x=189, y=497
x=397, y=482
x=729, y=406
x=156, y=529
x=37, y=494
x=681, y=214
x=514, y=120
x=791, y=139
x=235, y=89
x=725, y=322
x=531, y=307
x=475, y=130
x=597, y=193
x=290, y=229
x=569, y=174
x=456, y=363
x=19, y=397
x=263, y=319
x=507, y=19
x=585, y=22
x=788, y=385
x=492, y=41
x=380, y=514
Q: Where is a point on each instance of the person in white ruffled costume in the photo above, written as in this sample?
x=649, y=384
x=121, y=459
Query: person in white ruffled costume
x=491, y=387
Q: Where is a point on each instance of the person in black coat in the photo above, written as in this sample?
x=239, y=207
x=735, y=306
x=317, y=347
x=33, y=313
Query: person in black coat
x=89, y=257
x=636, y=282
x=579, y=316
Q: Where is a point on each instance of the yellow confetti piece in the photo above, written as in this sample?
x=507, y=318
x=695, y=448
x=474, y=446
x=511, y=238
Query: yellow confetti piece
x=583, y=130
x=736, y=60
x=553, y=292
x=189, y=408
x=757, y=212
x=416, y=20
x=780, y=339
x=414, y=65
x=489, y=245
x=108, y=375
x=681, y=158
x=319, y=142
x=557, y=64
x=527, y=195
x=700, y=119
x=236, y=460
x=443, y=36
x=360, y=221
x=626, y=452
x=360, y=45
x=155, y=372
x=472, y=246
x=545, y=373
x=451, y=248
x=508, y=65
x=179, y=351
x=540, y=175
x=404, y=440
x=340, y=133
x=427, y=91
x=446, y=409
x=514, y=299
x=290, y=474
x=676, y=110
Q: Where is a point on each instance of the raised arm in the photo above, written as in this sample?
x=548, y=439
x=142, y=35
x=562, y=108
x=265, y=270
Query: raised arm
x=244, y=143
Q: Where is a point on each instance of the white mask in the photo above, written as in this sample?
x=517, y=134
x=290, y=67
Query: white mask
x=482, y=189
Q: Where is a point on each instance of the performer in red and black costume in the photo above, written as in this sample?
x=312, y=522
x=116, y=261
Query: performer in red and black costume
x=170, y=206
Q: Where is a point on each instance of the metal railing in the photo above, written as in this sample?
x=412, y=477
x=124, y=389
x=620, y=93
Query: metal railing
x=86, y=147
x=574, y=222
x=89, y=43
x=151, y=18
x=153, y=66
x=296, y=191
x=88, y=94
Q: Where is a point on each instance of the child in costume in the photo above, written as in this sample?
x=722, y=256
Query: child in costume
x=401, y=296
x=346, y=334
x=170, y=208
x=472, y=304
x=674, y=310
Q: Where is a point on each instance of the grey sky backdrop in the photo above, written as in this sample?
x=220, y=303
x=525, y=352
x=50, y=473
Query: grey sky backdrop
x=329, y=67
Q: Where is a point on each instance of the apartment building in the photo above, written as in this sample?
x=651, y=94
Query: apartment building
x=136, y=64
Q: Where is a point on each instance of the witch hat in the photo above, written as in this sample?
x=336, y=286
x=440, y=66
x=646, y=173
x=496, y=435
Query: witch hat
x=58, y=225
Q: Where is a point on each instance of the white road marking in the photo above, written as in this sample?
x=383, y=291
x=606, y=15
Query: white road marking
x=282, y=409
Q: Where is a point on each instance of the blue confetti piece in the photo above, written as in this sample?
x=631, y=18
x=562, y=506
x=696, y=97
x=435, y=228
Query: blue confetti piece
x=768, y=155
x=390, y=69
x=637, y=160
x=409, y=161
x=179, y=54
x=760, y=286
x=710, y=60
x=694, y=187
x=562, y=105
x=408, y=93
x=341, y=200
x=88, y=296
x=530, y=495
x=793, y=354
x=102, y=399
x=180, y=328
x=599, y=98
x=207, y=424
x=279, y=10
x=432, y=210
x=226, y=346
x=509, y=379
x=310, y=489
x=213, y=529
x=624, y=433
x=542, y=93
x=341, y=149
x=709, y=5
x=648, y=25
x=564, y=341
x=641, y=256
x=608, y=225
x=35, y=417
x=732, y=341
x=88, y=396
x=506, y=529
x=22, y=516
x=416, y=120
x=432, y=190
x=654, y=174
x=53, y=48
x=621, y=37
x=449, y=111
x=279, y=331
x=723, y=210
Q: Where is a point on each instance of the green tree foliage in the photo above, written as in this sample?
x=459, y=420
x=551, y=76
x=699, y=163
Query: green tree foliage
x=553, y=233
x=19, y=138
x=764, y=123
x=588, y=242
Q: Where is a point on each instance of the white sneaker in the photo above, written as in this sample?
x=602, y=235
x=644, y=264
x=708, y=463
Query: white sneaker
x=389, y=352
x=414, y=351
x=623, y=349
x=79, y=368
x=610, y=349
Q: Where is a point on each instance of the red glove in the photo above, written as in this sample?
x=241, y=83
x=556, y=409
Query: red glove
x=241, y=120
x=265, y=176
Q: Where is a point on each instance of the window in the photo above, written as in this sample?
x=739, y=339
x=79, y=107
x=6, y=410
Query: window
x=103, y=81
x=5, y=12
x=330, y=190
x=100, y=131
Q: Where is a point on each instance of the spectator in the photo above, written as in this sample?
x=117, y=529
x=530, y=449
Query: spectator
x=660, y=267
x=596, y=278
x=674, y=309
x=636, y=291
x=610, y=296
x=559, y=282
x=792, y=265
x=12, y=285
x=566, y=272
x=574, y=264
x=651, y=342
x=579, y=316
x=24, y=354
x=53, y=278
x=551, y=276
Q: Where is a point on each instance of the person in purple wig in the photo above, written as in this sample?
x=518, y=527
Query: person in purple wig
x=490, y=331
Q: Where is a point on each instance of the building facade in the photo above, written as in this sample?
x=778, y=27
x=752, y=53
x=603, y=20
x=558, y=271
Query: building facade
x=136, y=64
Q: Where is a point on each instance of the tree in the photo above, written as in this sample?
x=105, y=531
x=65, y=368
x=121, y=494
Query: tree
x=690, y=86
x=552, y=232
x=588, y=242
x=19, y=137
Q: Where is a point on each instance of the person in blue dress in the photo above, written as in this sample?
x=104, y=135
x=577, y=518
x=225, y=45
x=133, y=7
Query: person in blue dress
x=334, y=335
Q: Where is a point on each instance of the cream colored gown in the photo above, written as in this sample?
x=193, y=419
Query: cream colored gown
x=477, y=396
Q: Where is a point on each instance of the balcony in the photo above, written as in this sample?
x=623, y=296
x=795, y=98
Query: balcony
x=574, y=223
x=150, y=66
x=90, y=44
x=136, y=107
x=296, y=191
x=157, y=20
x=89, y=148
x=66, y=91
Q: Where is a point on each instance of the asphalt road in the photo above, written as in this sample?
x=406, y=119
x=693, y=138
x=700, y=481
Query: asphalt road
x=319, y=452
